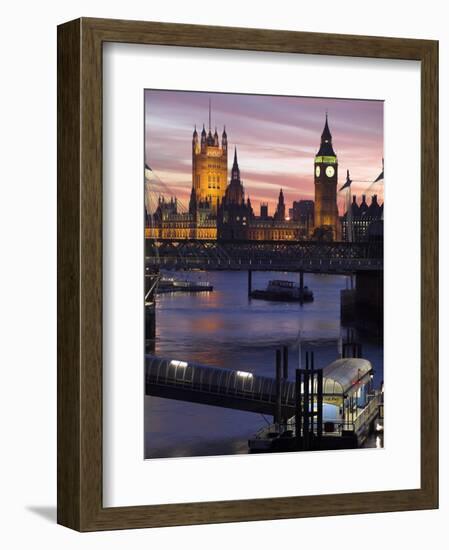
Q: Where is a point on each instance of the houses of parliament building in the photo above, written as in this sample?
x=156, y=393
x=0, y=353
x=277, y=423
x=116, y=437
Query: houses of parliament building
x=219, y=210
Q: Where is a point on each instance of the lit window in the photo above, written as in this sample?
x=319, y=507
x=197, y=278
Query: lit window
x=178, y=364
x=243, y=374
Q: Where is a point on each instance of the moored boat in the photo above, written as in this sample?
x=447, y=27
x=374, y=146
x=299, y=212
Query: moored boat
x=351, y=410
x=283, y=291
x=170, y=284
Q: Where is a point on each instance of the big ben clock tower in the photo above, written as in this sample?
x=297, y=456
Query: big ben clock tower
x=326, y=177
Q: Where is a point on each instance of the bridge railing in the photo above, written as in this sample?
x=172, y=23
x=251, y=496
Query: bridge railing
x=250, y=263
x=311, y=249
x=331, y=427
x=278, y=255
x=368, y=412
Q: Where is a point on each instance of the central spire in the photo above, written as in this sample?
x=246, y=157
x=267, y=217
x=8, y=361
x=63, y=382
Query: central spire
x=235, y=167
x=210, y=138
x=235, y=193
x=210, y=116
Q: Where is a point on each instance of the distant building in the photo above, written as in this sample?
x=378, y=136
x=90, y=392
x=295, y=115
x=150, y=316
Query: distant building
x=303, y=212
x=279, y=215
x=236, y=219
x=168, y=223
x=326, y=178
x=361, y=218
x=209, y=179
x=209, y=167
x=219, y=210
x=272, y=230
x=264, y=211
x=234, y=213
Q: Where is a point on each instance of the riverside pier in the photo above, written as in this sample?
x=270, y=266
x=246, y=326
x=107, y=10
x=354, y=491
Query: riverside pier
x=344, y=386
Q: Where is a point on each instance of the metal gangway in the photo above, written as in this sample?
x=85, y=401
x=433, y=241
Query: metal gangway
x=236, y=389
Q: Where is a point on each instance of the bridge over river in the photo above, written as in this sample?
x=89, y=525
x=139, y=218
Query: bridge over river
x=305, y=256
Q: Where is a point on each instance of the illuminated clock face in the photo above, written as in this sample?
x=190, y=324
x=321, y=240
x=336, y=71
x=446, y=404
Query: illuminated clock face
x=330, y=171
x=317, y=171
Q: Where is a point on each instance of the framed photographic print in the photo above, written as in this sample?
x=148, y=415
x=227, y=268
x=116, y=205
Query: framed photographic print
x=247, y=274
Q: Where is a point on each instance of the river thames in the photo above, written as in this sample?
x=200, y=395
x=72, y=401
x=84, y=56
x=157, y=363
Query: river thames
x=223, y=328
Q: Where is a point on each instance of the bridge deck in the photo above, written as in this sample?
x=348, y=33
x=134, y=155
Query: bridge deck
x=309, y=256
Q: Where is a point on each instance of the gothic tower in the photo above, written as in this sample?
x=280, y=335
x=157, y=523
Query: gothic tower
x=280, y=209
x=209, y=167
x=235, y=193
x=326, y=177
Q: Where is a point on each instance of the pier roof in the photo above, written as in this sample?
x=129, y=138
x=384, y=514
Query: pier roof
x=343, y=375
x=243, y=390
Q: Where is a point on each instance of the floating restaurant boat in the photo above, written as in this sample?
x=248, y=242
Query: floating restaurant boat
x=170, y=284
x=283, y=291
x=352, y=410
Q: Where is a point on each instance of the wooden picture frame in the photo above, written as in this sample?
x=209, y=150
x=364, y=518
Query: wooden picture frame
x=80, y=351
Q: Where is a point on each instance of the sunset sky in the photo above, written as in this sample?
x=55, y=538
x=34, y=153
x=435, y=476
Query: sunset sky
x=277, y=138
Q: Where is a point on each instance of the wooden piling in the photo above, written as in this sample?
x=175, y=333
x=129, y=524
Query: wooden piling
x=150, y=280
x=301, y=287
x=351, y=349
x=285, y=362
x=284, y=373
x=311, y=397
x=320, y=403
x=301, y=281
x=306, y=405
x=278, y=409
x=298, y=410
x=250, y=282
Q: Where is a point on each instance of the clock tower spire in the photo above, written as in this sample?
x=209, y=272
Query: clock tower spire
x=326, y=178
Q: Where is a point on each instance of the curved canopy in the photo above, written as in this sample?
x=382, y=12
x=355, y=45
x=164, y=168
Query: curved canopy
x=340, y=379
x=342, y=375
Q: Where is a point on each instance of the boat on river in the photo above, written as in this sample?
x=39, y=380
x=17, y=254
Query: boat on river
x=170, y=284
x=283, y=291
x=352, y=410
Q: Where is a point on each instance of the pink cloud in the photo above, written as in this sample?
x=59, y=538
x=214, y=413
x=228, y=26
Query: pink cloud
x=276, y=136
